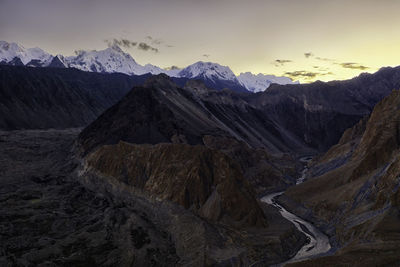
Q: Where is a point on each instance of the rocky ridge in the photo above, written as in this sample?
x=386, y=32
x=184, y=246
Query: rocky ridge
x=356, y=201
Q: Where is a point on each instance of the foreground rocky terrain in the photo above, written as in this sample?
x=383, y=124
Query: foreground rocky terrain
x=51, y=215
x=354, y=195
x=48, y=217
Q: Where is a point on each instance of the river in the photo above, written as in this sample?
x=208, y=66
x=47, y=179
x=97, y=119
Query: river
x=318, y=241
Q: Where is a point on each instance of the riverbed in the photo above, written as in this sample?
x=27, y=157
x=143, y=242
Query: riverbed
x=318, y=242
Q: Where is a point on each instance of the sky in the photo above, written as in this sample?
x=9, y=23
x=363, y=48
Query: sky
x=306, y=40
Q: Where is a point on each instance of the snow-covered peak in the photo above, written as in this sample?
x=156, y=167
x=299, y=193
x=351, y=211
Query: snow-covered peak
x=148, y=68
x=8, y=51
x=212, y=71
x=111, y=59
x=260, y=82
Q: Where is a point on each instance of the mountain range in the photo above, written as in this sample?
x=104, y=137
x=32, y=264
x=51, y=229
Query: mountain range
x=298, y=117
x=114, y=60
x=102, y=168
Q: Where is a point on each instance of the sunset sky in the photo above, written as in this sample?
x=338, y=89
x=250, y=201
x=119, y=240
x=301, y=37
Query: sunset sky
x=304, y=39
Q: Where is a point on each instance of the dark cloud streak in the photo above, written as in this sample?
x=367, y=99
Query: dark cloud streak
x=325, y=59
x=146, y=47
x=308, y=75
x=125, y=43
x=281, y=62
x=352, y=65
x=173, y=68
x=308, y=54
x=121, y=42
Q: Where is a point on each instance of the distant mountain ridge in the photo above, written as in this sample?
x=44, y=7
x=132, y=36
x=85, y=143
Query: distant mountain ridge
x=114, y=60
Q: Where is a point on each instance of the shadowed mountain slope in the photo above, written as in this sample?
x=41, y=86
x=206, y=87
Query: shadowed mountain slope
x=42, y=98
x=57, y=98
x=319, y=113
x=161, y=111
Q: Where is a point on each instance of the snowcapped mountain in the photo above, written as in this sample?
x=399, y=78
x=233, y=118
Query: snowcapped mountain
x=209, y=70
x=114, y=59
x=111, y=59
x=9, y=51
x=213, y=75
x=260, y=82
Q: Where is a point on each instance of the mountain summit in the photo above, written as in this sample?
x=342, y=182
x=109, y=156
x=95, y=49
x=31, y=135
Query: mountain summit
x=258, y=83
x=10, y=51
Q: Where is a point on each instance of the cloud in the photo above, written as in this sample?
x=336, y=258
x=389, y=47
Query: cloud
x=281, y=62
x=153, y=40
x=206, y=55
x=157, y=41
x=320, y=68
x=121, y=42
x=125, y=43
x=303, y=74
x=146, y=47
x=173, y=68
x=324, y=59
x=352, y=65
x=308, y=54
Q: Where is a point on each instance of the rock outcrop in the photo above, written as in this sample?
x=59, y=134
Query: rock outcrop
x=357, y=202
x=200, y=179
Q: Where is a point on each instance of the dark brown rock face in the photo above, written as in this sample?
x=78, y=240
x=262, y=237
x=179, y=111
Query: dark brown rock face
x=195, y=177
x=266, y=172
x=358, y=201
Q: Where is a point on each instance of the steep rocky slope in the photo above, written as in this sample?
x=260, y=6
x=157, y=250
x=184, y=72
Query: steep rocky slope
x=318, y=113
x=195, y=177
x=357, y=200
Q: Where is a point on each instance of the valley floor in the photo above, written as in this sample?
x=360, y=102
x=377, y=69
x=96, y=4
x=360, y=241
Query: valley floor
x=47, y=217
